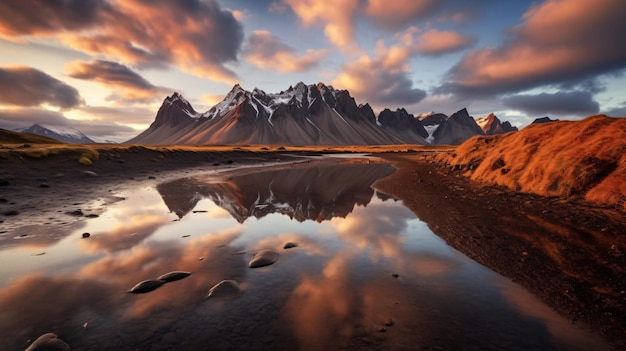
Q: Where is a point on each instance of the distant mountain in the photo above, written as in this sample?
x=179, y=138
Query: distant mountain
x=491, y=125
x=403, y=123
x=301, y=115
x=457, y=128
x=544, y=120
x=64, y=134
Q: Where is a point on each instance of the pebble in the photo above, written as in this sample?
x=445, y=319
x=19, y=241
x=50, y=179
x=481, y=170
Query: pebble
x=78, y=213
x=146, y=286
x=48, y=342
x=263, y=258
x=11, y=213
x=289, y=245
x=90, y=174
x=86, y=235
x=226, y=289
x=174, y=276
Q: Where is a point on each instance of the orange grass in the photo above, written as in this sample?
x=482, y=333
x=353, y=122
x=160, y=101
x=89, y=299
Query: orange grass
x=566, y=158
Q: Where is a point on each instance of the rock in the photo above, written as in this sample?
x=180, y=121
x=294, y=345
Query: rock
x=11, y=213
x=48, y=342
x=174, y=276
x=90, y=174
x=86, y=235
x=389, y=323
x=77, y=213
x=44, y=185
x=263, y=258
x=146, y=286
x=289, y=245
x=92, y=215
x=395, y=275
x=225, y=289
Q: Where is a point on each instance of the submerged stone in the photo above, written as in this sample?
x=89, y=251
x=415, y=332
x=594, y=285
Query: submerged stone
x=48, y=342
x=146, y=286
x=174, y=276
x=289, y=245
x=263, y=258
x=225, y=289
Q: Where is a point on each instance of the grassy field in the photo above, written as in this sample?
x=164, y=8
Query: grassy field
x=568, y=158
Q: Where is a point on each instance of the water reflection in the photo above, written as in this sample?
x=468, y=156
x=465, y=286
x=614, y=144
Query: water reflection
x=376, y=279
x=311, y=193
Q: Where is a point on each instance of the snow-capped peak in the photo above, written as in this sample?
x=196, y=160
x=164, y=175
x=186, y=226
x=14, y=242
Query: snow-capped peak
x=62, y=133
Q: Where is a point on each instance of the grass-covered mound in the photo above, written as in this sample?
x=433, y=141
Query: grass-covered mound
x=567, y=158
x=11, y=137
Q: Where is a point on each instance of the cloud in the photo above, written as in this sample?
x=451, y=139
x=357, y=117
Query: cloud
x=26, y=86
x=382, y=79
x=41, y=17
x=436, y=43
x=196, y=36
x=395, y=14
x=619, y=111
x=124, y=115
x=128, y=84
x=211, y=99
x=267, y=51
x=338, y=19
x=558, y=42
x=579, y=103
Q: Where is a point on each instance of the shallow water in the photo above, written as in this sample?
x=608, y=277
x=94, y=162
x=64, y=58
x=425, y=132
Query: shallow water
x=366, y=274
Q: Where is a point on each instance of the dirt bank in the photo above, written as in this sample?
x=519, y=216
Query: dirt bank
x=569, y=254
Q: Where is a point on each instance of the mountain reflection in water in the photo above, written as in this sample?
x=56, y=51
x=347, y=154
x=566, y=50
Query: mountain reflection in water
x=334, y=291
x=304, y=193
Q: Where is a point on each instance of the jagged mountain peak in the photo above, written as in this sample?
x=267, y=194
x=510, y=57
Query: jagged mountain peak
x=461, y=114
x=315, y=114
x=491, y=125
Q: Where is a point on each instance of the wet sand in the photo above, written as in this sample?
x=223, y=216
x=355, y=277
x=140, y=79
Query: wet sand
x=569, y=254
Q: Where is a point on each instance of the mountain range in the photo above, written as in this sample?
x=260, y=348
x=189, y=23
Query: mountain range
x=306, y=115
x=64, y=134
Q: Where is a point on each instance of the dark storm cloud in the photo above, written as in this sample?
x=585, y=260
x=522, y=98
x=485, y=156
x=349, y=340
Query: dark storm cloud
x=577, y=103
x=558, y=42
x=196, y=36
x=26, y=86
x=32, y=17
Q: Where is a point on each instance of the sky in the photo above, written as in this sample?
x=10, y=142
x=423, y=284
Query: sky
x=105, y=66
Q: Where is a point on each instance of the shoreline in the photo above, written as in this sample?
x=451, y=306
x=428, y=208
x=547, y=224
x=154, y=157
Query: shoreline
x=567, y=253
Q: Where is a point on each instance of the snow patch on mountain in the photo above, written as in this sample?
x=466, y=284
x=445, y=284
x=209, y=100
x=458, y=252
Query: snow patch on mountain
x=431, y=130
